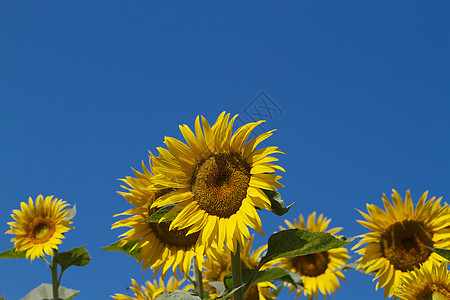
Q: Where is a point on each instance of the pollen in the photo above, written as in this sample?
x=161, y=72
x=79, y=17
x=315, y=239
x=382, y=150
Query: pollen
x=220, y=184
x=41, y=230
x=311, y=265
x=403, y=244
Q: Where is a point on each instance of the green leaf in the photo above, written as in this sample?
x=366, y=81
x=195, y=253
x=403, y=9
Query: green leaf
x=277, y=290
x=349, y=266
x=289, y=277
x=297, y=242
x=219, y=286
x=178, y=295
x=74, y=257
x=445, y=253
x=45, y=292
x=71, y=214
x=276, y=203
x=70, y=298
x=125, y=248
x=228, y=295
x=353, y=266
x=12, y=253
x=272, y=274
x=156, y=217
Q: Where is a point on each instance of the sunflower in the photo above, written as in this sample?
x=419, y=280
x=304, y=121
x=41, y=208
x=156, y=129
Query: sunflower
x=397, y=242
x=425, y=283
x=318, y=270
x=151, y=290
x=218, y=265
x=40, y=226
x=160, y=247
x=218, y=180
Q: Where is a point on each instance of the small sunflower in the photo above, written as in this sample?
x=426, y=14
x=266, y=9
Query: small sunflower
x=218, y=180
x=161, y=248
x=218, y=265
x=151, y=290
x=316, y=270
x=40, y=226
x=426, y=283
x=397, y=242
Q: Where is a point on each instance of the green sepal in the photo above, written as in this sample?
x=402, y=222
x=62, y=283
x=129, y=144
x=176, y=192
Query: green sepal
x=71, y=214
x=445, y=253
x=12, y=253
x=45, y=291
x=178, y=295
x=157, y=216
x=297, y=242
x=125, y=248
x=276, y=203
x=74, y=257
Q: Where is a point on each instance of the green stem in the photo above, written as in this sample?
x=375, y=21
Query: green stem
x=55, y=283
x=198, y=281
x=236, y=271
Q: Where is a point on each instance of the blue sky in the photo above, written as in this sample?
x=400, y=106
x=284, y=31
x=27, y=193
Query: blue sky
x=361, y=92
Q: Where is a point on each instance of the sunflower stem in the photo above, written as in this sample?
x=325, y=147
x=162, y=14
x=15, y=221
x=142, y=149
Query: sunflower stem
x=55, y=283
x=236, y=272
x=198, y=281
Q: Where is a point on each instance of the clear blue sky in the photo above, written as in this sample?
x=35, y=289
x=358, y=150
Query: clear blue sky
x=88, y=87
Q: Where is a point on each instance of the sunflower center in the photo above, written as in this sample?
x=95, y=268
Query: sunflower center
x=220, y=183
x=176, y=238
x=252, y=293
x=434, y=292
x=311, y=265
x=41, y=230
x=403, y=244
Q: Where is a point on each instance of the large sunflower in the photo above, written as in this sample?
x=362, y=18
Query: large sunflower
x=160, y=247
x=151, y=290
x=428, y=282
x=218, y=265
x=40, y=226
x=318, y=270
x=218, y=180
x=397, y=242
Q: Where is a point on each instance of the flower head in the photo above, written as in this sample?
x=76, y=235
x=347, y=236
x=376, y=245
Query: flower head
x=39, y=227
x=318, y=270
x=217, y=180
x=151, y=290
x=161, y=248
x=396, y=244
x=428, y=282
